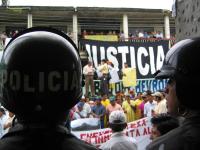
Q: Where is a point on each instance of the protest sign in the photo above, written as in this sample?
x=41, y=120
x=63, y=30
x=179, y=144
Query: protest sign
x=139, y=129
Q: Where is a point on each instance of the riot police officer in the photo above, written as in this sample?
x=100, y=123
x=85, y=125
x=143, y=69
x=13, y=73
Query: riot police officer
x=41, y=79
x=182, y=69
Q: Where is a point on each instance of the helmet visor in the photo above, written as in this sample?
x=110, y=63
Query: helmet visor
x=165, y=72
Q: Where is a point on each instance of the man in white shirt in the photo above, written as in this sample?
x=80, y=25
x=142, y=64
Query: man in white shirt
x=159, y=35
x=80, y=112
x=161, y=106
x=150, y=105
x=88, y=71
x=114, y=77
x=118, y=140
x=83, y=109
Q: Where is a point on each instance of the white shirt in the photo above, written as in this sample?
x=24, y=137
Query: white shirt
x=87, y=108
x=159, y=35
x=161, y=107
x=119, y=141
x=114, y=75
x=3, y=119
x=88, y=70
x=140, y=35
x=148, y=107
x=84, y=113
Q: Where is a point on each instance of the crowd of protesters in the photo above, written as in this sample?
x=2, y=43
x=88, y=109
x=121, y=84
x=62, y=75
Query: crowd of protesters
x=134, y=105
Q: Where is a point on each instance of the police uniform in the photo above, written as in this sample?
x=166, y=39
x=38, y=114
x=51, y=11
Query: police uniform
x=28, y=138
x=43, y=75
x=180, y=67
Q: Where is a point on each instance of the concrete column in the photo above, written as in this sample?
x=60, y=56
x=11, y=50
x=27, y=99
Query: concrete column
x=167, y=26
x=75, y=29
x=29, y=20
x=125, y=26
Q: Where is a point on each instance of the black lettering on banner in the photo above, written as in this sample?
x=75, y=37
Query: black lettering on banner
x=146, y=57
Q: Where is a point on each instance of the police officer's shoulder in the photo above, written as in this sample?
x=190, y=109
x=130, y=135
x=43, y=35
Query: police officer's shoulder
x=166, y=141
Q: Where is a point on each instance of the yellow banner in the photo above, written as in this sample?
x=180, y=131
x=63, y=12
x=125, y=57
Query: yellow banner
x=102, y=37
x=129, y=77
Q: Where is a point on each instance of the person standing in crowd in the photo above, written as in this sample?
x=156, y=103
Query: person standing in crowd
x=99, y=111
x=91, y=103
x=105, y=102
x=161, y=124
x=41, y=107
x=119, y=100
x=112, y=107
x=86, y=106
x=128, y=78
x=114, y=77
x=80, y=111
x=144, y=101
x=119, y=140
x=120, y=97
x=159, y=35
x=129, y=108
x=103, y=69
x=88, y=71
x=83, y=109
x=181, y=69
x=150, y=105
x=137, y=103
x=161, y=106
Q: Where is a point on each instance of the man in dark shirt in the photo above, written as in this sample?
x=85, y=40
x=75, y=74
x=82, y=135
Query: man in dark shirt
x=99, y=111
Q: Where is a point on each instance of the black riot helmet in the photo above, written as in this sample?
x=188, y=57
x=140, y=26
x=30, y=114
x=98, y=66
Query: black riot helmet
x=41, y=75
x=182, y=64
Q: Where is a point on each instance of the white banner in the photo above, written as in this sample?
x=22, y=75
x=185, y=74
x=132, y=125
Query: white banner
x=140, y=130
